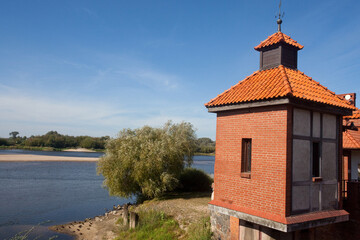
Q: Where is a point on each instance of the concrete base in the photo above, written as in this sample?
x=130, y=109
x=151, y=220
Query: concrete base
x=228, y=227
x=293, y=223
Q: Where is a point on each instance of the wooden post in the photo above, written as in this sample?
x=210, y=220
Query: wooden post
x=133, y=219
x=125, y=215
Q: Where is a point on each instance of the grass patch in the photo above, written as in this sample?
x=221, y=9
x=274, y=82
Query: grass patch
x=153, y=225
x=200, y=230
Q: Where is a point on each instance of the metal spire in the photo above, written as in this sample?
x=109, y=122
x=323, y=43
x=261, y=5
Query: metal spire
x=280, y=15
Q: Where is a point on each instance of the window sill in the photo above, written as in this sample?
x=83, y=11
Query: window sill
x=245, y=175
x=317, y=179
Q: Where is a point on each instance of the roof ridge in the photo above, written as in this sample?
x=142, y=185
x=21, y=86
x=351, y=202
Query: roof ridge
x=283, y=36
x=286, y=80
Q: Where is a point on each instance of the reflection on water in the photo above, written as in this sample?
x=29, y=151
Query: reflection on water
x=36, y=192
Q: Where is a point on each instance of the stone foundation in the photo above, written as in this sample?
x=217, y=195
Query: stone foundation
x=220, y=225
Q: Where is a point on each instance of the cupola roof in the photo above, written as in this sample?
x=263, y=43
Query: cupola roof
x=276, y=38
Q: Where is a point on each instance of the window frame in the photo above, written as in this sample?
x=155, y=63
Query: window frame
x=316, y=165
x=316, y=161
x=246, y=152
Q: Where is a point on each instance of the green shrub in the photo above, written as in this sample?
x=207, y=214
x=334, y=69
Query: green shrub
x=194, y=180
x=3, y=142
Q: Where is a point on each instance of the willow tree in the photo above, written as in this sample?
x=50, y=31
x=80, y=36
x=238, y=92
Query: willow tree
x=147, y=161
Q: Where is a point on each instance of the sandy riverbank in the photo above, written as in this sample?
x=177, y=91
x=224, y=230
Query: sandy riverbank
x=33, y=157
x=97, y=228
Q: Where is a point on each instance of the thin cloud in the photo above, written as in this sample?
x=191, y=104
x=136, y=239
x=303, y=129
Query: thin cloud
x=33, y=115
x=153, y=78
x=144, y=77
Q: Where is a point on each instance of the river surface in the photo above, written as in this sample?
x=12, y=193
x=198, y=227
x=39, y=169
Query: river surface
x=50, y=193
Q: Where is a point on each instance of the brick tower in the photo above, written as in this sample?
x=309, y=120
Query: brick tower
x=278, y=151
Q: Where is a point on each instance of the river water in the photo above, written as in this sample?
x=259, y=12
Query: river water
x=50, y=193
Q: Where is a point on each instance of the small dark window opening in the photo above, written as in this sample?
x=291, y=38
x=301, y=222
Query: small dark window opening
x=246, y=155
x=316, y=159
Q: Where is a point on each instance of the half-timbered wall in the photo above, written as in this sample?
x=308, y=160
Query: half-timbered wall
x=311, y=193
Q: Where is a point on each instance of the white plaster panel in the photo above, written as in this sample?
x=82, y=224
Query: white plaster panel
x=315, y=190
x=329, y=196
x=328, y=161
x=316, y=124
x=301, y=160
x=301, y=122
x=249, y=230
x=329, y=126
x=268, y=234
x=355, y=161
x=300, y=198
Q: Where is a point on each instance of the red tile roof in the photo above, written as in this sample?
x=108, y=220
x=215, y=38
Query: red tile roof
x=277, y=38
x=351, y=139
x=355, y=115
x=275, y=83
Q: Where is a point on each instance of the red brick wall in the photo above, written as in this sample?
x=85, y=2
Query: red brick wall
x=264, y=194
x=234, y=228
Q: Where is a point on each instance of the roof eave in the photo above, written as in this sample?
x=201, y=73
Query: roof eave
x=280, y=101
x=271, y=102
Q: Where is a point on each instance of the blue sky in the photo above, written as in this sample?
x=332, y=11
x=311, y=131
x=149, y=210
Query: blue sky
x=95, y=67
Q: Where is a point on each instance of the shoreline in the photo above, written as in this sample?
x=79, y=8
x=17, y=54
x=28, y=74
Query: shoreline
x=43, y=158
x=186, y=208
x=99, y=227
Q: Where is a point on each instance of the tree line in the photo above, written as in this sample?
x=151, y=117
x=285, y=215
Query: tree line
x=53, y=139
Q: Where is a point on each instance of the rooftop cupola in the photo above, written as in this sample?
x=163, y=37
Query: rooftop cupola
x=278, y=49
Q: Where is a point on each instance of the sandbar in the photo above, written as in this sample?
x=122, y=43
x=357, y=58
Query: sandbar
x=78, y=150
x=42, y=158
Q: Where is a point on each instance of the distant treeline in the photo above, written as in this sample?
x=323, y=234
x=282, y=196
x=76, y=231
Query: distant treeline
x=56, y=140
x=205, y=145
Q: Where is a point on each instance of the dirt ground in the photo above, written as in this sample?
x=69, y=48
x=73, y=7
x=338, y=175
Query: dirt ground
x=185, y=208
